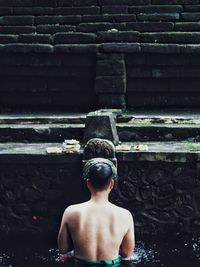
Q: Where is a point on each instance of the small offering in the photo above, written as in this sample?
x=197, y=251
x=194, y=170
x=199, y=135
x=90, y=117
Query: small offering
x=71, y=146
x=123, y=147
x=54, y=150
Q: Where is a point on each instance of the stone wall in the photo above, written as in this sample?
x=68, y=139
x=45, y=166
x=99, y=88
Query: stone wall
x=111, y=53
x=160, y=189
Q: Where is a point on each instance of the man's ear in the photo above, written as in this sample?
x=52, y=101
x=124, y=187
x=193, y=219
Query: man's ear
x=88, y=183
x=112, y=183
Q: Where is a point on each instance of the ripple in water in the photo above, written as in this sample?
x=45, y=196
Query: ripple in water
x=177, y=253
x=141, y=254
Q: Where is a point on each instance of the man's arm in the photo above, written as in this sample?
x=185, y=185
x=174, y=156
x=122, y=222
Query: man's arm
x=128, y=242
x=64, y=238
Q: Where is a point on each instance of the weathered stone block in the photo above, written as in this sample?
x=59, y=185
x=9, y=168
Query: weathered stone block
x=184, y=85
x=112, y=100
x=147, y=85
x=175, y=2
x=45, y=3
x=193, y=59
x=191, y=8
x=156, y=9
x=57, y=19
x=77, y=3
x=110, y=84
x=130, y=36
x=160, y=48
x=190, y=48
x=165, y=73
x=109, y=18
x=100, y=125
x=33, y=11
x=150, y=26
x=76, y=48
x=110, y=67
x=72, y=72
x=171, y=37
x=35, y=38
x=77, y=10
x=190, y=16
x=17, y=29
x=189, y=72
x=41, y=208
x=135, y=59
x=187, y=26
x=158, y=17
x=13, y=3
x=6, y=11
x=55, y=28
x=95, y=27
x=139, y=72
x=114, y=9
x=44, y=60
x=120, y=47
x=8, y=38
x=84, y=60
x=166, y=60
x=32, y=195
x=27, y=48
x=110, y=56
x=16, y=20
x=22, y=209
x=70, y=38
x=123, y=2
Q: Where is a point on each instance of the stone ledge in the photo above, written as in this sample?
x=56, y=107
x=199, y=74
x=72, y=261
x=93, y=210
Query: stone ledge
x=71, y=3
x=175, y=2
x=124, y=2
x=27, y=48
x=76, y=48
x=157, y=151
x=156, y=9
x=75, y=37
x=171, y=37
x=120, y=47
x=34, y=153
x=157, y=48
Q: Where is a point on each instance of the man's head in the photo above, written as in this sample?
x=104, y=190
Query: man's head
x=100, y=173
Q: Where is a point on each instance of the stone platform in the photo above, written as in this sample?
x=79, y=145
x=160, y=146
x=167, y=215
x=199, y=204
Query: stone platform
x=159, y=181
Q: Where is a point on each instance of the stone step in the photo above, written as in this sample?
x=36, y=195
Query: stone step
x=42, y=118
x=167, y=151
x=166, y=126
x=132, y=126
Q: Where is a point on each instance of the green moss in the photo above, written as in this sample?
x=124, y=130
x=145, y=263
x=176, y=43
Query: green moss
x=189, y=146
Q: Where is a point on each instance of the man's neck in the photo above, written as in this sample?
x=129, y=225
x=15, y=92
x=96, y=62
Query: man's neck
x=99, y=197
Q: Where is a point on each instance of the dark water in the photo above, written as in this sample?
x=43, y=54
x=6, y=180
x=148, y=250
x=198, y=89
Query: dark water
x=179, y=251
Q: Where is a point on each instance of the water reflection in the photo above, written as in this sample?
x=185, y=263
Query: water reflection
x=178, y=252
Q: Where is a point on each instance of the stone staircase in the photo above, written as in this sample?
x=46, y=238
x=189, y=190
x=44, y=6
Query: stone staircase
x=138, y=126
x=59, y=60
x=104, y=51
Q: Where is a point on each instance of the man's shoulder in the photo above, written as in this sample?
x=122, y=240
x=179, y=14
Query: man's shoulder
x=74, y=208
x=122, y=211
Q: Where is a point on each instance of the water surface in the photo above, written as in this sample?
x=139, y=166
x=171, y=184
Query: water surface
x=176, y=251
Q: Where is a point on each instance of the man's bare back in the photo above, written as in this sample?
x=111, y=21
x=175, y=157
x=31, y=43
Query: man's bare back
x=97, y=229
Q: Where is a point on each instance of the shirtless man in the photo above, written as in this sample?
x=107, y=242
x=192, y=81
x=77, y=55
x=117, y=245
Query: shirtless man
x=97, y=230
